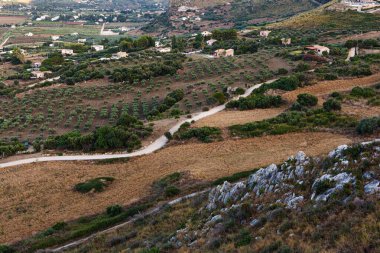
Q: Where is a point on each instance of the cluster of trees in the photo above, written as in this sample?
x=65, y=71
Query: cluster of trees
x=224, y=34
x=369, y=43
x=127, y=133
x=178, y=43
x=284, y=83
x=11, y=148
x=240, y=46
x=145, y=72
x=72, y=74
x=129, y=44
x=203, y=134
x=53, y=61
x=256, y=101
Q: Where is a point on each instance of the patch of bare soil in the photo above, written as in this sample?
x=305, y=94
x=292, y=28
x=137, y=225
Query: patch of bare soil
x=36, y=196
x=360, y=109
x=225, y=119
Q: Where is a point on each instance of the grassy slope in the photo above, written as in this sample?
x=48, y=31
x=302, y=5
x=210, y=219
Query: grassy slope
x=269, y=9
x=325, y=18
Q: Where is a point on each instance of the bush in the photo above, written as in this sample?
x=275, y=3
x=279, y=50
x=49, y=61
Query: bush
x=171, y=191
x=368, y=126
x=97, y=184
x=307, y=100
x=168, y=135
x=282, y=71
x=332, y=105
x=6, y=249
x=363, y=92
x=220, y=97
x=244, y=238
x=330, y=76
x=114, y=210
x=203, y=134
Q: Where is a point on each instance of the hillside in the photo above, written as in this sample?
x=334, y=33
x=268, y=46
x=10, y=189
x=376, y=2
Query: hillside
x=328, y=203
x=196, y=3
x=329, y=17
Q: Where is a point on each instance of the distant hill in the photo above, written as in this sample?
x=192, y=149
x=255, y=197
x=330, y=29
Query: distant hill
x=197, y=3
x=329, y=16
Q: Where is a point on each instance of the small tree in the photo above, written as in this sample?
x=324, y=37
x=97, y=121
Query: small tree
x=307, y=100
x=332, y=105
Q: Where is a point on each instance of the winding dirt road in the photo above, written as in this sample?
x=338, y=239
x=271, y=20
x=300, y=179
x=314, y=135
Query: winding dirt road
x=156, y=145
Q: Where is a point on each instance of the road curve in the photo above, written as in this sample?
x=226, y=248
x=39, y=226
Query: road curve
x=156, y=145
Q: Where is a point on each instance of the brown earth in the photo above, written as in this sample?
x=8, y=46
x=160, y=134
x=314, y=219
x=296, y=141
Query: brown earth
x=11, y=20
x=227, y=118
x=36, y=196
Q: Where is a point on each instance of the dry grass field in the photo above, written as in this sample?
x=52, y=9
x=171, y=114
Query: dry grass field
x=36, y=196
x=11, y=20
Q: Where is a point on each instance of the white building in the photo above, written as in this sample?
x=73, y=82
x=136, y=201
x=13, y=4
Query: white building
x=29, y=34
x=286, y=41
x=164, y=50
x=320, y=50
x=67, y=52
x=97, y=47
x=224, y=53
x=211, y=42
x=265, y=34
x=82, y=40
x=38, y=74
x=54, y=38
x=206, y=33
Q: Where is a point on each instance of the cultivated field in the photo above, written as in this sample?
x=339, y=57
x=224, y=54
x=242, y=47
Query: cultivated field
x=90, y=104
x=11, y=20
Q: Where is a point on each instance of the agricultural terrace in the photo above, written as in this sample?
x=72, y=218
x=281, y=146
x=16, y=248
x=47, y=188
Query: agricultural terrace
x=59, y=109
x=11, y=20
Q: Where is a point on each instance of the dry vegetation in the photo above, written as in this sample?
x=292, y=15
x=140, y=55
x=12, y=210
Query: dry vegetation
x=37, y=196
x=11, y=20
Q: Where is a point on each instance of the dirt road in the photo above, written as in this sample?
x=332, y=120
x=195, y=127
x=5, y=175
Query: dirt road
x=154, y=146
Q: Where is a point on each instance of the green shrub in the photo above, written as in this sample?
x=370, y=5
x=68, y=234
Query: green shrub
x=323, y=186
x=336, y=95
x=235, y=177
x=114, y=210
x=203, y=134
x=307, y=100
x=363, y=92
x=169, y=179
x=244, y=238
x=97, y=185
x=171, y=191
x=220, y=97
x=330, y=76
x=332, y=105
x=168, y=135
x=368, y=126
x=59, y=226
x=6, y=249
